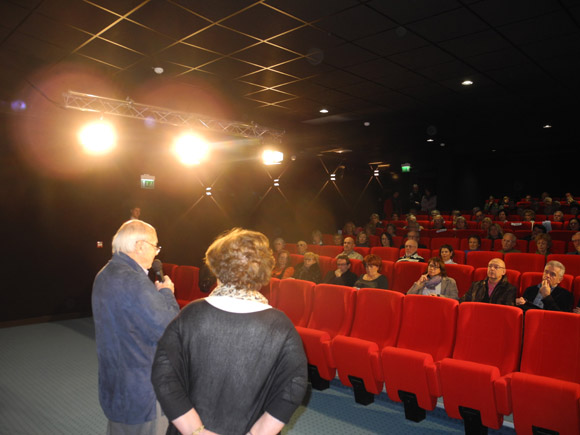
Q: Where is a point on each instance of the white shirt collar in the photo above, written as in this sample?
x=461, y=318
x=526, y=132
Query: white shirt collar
x=234, y=305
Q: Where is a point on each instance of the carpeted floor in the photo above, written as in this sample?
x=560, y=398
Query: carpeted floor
x=48, y=385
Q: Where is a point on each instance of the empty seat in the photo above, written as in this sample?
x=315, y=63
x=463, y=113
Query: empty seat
x=357, y=356
x=291, y=247
x=405, y=274
x=169, y=269
x=513, y=276
x=525, y=262
x=438, y=241
x=389, y=254
x=388, y=269
x=187, y=285
x=545, y=394
x=564, y=235
x=332, y=314
x=570, y=262
x=426, y=336
x=463, y=276
x=357, y=266
x=326, y=265
x=330, y=250
x=487, y=347
x=294, y=298
x=529, y=279
x=481, y=258
x=362, y=250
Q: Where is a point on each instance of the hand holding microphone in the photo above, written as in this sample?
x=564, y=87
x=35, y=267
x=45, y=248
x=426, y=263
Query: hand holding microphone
x=161, y=280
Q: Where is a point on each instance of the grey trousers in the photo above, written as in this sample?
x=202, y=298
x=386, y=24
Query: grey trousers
x=158, y=426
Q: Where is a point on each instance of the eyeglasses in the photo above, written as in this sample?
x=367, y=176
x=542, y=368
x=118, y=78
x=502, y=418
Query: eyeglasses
x=576, y=240
x=157, y=247
x=434, y=266
x=341, y=264
x=495, y=266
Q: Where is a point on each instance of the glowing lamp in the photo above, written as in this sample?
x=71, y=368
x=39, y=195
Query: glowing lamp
x=190, y=149
x=98, y=138
x=270, y=157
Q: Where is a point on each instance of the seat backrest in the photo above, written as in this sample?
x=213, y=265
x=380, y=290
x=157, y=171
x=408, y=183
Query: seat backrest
x=570, y=262
x=521, y=245
x=330, y=250
x=362, y=250
x=552, y=345
x=388, y=269
x=438, y=241
x=576, y=290
x=295, y=300
x=295, y=259
x=428, y=325
x=326, y=265
x=377, y=316
x=389, y=254
x=291, y=247
x=463, y=276
x=357, y=266
x=525, y=262
x=405, y=274
x=564, y=235
x=489, y=334
x=529, y=279
x=169, y=269
x=270, y=291
x=333, y=309
x=518, y=225
x=187, y=283
x=481, y=258
x=513, y=276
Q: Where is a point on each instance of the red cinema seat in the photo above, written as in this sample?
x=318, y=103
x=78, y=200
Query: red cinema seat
x=362, y=251
x=187, y=285
x=357, y=266
x=486, y=244
x=570, y=262
x=357, y=356
x=332, y=315
x=517, y=226
x=545, y=393
x=295, y=259
x=326, y=265
x=487, y=347
x=558, y=247
x=405, y=274
x=295, y=300
x=314, y=248
x=292, y=248
x=463, y=276
x=327, y=239
x=576, y=290
x=529, y=279
x=564, y=235
x=397, y=241
x=525, y=262
x=330, y=250
x=388, y=269
x=426, y=336
x=481, y=258
x=270, y=291
x=389, y=254
x=513, y=276
x=169, y=269
x=557, y=225
x=375, y=240
x=438, y=241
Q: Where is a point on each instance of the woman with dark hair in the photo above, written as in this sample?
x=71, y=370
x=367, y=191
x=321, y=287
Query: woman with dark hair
x=386, y=240
x=391, y=229
x=372, y=278
x=473, y=243
x=282, y=269
x=435, y=282
x=446, y=254
x=574, y=225
x=502, y=216
x=229, y=363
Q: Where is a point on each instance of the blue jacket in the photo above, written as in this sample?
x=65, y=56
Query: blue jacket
x=130, y=316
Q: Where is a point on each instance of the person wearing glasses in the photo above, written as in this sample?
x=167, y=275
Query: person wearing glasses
x=494, y=289
x=435, y=282
x=548, y=295
x=372, y=278
x=342, y=275
x=576, y=242
x=130, y=314
x=411, y=247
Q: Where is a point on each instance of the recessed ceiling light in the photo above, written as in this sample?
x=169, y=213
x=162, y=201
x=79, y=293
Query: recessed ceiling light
x=430, y=140
x=323, y=110
x=366, y=123
x=466, y=82
x=547, y=126
x=158, y=70
x=442, y=144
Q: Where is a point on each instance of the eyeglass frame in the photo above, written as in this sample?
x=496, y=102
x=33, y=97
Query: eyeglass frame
x=157, y=247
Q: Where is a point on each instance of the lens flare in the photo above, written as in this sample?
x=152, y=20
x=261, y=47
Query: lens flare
x=191, y=149
x=98, y=138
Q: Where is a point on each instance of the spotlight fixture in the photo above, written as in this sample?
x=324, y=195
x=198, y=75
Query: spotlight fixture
x=276, y=182
x=191, y=149
x=271, y=157
x=366, y=124
x=323, y=110
x=442, y=144
x=466, y=82
x=546, y=126
x=98, y=137
x=430, y=140
x=158, y=70
x=208, y=191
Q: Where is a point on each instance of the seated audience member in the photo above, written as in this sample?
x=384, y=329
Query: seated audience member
x=529, y=215
x=391, y=229
x=494, y=232
x=494, y=289
x=548, y=295
x=301, y=247
x=337, y=239
x=374, y=223
x=460, y=223
x=435, y=282
x=411, y=247
x=549, y=206
x=434, y=213
x=573, y=225
x=414, y=235
x=576, y=242
x=570, y=199
x=394, y=217
x=508, y=244
x=342, y=275
x=473, y=243
x=558, y=216
x=543, y=244
x=349, y=229
x=454, y=215
x=317, y=237
x=438, y=222
x=490, y=206
x=502, y=216
x=477, y=214
x=278, y=245
x=428, y=201
x=372, y=278
x=349, y=251
x=362, y=240
x=309, y=269
x=485, y=224
x=446, y=254
x=386, y=240
x=282, y=269
x=538, y=229
x=412, y=223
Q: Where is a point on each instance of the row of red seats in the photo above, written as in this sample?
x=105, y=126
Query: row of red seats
x=510, y=225
x=423, y=348
x=469, y=217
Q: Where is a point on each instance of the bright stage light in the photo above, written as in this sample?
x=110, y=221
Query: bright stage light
x=98, y=137
x=191, y=149
x=270, y=157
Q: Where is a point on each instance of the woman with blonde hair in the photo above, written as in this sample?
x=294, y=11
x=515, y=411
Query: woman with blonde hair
x=309, y=269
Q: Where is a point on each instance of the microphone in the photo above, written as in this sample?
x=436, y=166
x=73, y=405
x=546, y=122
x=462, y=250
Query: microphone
x=157, y=268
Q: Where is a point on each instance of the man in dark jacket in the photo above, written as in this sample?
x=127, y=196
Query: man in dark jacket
x=342, y=275
x=495, y=289
x=548, y=295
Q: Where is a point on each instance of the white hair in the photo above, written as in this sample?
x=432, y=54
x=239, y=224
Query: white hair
x=557, y=264
x=129, y=234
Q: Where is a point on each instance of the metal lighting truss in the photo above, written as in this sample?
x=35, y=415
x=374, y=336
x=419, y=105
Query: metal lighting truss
x=130, y=109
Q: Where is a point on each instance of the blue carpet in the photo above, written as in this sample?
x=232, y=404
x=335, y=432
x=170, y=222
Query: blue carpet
x=48, y=385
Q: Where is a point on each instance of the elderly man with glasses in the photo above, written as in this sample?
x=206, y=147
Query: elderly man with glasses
x=494, y=289
x=548, y=295
x=130, y=314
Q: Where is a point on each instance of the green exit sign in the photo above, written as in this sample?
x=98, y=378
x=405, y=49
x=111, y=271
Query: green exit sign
x=147, y=181
x=406, y=167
